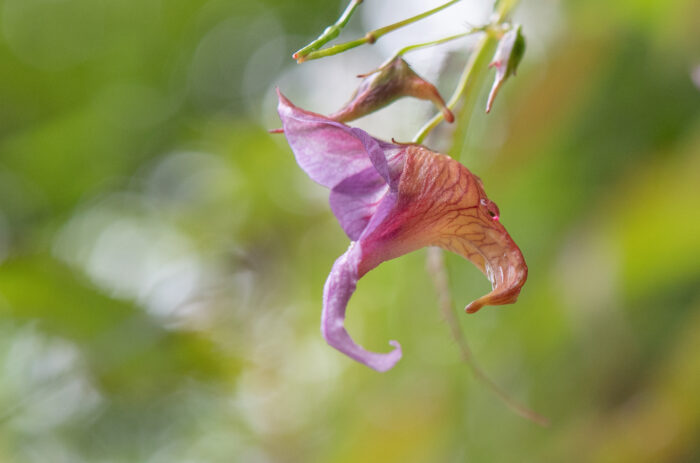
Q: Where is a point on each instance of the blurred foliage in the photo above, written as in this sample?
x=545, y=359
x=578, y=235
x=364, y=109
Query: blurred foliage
x=162, y=257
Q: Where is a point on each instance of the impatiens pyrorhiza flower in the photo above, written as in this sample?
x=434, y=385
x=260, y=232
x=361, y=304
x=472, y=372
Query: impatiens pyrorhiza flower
x=392, y=199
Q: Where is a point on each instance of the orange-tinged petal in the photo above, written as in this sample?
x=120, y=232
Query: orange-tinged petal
x=441, y=203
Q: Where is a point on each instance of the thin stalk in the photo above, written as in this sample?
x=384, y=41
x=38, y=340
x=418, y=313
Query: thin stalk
x=477, y=63
x=330, y=32
x=417, y=46
x=438, y=272
x=432, y=43
x=371, y=36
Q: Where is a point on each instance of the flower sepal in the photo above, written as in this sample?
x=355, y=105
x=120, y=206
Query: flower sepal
x=392, y=80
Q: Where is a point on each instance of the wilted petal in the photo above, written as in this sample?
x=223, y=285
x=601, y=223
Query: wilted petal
x=358, y=168
x=336, y=294
x=354, y=200
x=326, y=152
x=441, y=203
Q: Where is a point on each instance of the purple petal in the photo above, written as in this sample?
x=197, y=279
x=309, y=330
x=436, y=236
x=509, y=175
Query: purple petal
x=354, y=200
x=339, y=287
x=378, y=152
x=354, y=165
x=330, y=151
x=326, y=152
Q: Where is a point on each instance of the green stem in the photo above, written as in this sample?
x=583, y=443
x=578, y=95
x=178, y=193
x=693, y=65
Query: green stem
x=476, y=65
x=371, y=36
x=392, y=27
x=464, y=81
x=410, y=48
x=330, y=32
x=417, y=46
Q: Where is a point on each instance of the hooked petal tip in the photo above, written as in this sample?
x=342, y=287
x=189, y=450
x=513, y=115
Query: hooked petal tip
x=507, y=279
x=339, y=288
x=448, y=115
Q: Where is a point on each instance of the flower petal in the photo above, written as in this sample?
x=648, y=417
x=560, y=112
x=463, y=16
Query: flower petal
x=441, y=203
x=339, y=287
x=357, y=167
x=330, y=151
x=354, y=200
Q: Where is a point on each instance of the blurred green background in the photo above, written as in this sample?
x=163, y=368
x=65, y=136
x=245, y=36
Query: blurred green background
x=162, y=258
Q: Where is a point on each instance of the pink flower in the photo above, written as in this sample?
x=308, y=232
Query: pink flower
x=390, y=200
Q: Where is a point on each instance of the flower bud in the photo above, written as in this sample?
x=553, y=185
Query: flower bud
x=393, y=80
x=510, y=51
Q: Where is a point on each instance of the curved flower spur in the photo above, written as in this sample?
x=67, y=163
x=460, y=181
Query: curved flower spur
x=390, y=200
